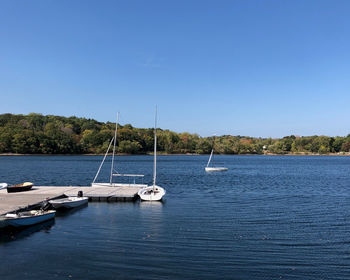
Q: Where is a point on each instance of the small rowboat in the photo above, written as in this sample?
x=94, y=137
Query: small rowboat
x=26, y=186
x=68, y=202
x=28, y=218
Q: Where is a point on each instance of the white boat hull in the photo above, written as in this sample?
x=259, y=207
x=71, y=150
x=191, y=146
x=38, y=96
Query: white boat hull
x=69, y=202
x=29, y=218
x=151, y=193
x=3, y=186
x=215, y=169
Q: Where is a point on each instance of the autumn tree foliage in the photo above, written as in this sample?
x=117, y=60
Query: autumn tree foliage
x=39, y=134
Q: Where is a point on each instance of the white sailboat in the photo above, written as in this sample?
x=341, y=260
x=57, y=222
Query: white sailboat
x=113, y=172
x=214, y=169
x=154, y=192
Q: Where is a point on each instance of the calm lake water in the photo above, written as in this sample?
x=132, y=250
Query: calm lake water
x=268, y=217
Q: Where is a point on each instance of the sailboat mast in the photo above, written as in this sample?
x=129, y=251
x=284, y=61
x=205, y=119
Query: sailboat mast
x=212, y=151
x=155, y=151
x=211, y=154
x=115, y=140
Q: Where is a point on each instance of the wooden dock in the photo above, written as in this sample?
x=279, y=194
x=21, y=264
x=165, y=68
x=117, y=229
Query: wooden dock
x=14, y=201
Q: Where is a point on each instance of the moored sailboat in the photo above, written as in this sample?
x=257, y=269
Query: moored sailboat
x=154, y=192
x=113, y=172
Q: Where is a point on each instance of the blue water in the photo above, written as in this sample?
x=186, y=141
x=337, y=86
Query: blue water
x=268, y=217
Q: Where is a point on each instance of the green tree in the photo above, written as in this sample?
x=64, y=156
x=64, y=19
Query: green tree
x=337, y=144
x=129, y=147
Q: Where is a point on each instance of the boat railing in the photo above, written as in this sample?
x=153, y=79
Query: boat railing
x=128, y=175
x=131, y=176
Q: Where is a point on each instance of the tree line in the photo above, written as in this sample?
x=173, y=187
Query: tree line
x=39, y=134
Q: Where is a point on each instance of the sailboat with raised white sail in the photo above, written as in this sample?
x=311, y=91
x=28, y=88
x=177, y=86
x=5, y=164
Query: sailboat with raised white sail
x=114, y=172
x=154, y=192
x=214, y=168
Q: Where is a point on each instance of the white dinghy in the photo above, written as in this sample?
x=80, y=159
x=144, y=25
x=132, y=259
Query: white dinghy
x=154, y=192
x=28, y=218
x=115, y=173
x=69, y=202
x=3, y=186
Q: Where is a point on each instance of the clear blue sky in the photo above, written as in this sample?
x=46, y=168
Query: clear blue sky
x=255, y=68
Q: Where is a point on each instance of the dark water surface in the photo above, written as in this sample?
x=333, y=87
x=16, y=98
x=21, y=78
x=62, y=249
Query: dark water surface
x=268, y=217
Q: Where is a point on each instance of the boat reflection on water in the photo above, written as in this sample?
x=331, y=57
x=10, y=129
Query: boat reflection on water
x=11, y=233
x=151, y=210
x=152, y=220
x=65, y=212
x=152, y=204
